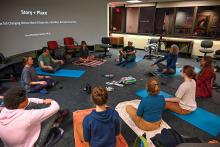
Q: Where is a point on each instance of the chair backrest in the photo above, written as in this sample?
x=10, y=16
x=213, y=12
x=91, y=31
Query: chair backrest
x=52, y=45
x=68, y=41
x=154, y=40
x=207, y=44
x=106, y=40
x=2, y=59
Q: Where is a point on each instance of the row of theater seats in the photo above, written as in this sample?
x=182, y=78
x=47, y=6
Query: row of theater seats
x=71, y=47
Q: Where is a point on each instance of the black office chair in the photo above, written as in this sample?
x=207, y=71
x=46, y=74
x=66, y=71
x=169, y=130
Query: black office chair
x=206, y=44
x=150, y=48
x=217, y=57
x=106, y=44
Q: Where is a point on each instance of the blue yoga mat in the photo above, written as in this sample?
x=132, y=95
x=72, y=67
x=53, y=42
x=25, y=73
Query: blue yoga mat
x=178, y=71
x=62, y=73
x=200, y=118
x=132, y=64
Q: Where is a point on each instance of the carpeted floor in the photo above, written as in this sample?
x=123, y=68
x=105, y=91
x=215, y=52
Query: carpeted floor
x=69, y=94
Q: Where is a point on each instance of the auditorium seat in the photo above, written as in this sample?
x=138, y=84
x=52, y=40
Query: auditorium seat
x=70, y=45
x=56, y=51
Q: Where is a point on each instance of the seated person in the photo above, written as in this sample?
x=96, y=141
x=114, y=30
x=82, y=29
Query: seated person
x=101, y=127
x=84, y=53
x=184, y=101
x=148, y=116
x=171, y=59
x=30, y=80
x=47, y=63
x=21, y=127
x=1, y=103
x=205, y=78
x=128, y=53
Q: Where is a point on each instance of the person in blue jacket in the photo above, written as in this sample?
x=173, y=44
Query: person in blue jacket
x=148, y=115
x=171, y=58
x=101, y=127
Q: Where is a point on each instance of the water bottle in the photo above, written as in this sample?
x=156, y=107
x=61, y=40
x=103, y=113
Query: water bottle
x=141, y=144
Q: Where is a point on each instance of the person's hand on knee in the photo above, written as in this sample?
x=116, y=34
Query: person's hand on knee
x=50, y=68
x=43, y=82
x=47, y=101
x=62, y=62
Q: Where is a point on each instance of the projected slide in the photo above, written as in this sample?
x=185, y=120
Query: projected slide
x=27, y=25
x=36, y=21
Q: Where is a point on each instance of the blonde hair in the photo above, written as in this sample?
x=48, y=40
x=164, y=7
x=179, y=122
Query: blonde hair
x=153, y=86
x=174, y=49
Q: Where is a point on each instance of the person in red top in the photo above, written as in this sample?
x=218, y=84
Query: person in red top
x=205, y=78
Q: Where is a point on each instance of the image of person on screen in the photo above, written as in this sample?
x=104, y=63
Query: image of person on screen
x=47, y=63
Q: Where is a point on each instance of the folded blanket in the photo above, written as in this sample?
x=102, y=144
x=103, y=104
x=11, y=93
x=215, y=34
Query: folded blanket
x=93, y=63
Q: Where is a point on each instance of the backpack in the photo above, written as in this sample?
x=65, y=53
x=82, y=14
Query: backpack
x=167, y=138
x=171, y=138
x=2, y=59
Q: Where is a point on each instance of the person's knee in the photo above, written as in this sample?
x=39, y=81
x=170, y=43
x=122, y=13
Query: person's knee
x=128, y=108
x=167, y=105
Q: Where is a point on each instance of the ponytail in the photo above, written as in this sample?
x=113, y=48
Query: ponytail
x=153, y=86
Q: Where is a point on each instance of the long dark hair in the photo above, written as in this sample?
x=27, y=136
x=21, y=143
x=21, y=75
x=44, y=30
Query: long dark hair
x=208, y=64
x=83, y=43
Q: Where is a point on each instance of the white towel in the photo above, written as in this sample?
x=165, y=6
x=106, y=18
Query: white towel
x=120, y=108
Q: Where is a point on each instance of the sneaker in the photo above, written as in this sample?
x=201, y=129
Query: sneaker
x=109, y=88
x=88, y=89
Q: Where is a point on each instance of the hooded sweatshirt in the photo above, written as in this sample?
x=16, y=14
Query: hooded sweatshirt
x=20, y=127
x=101, y=128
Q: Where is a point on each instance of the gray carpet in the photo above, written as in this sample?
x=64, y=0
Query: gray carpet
x=69, y=94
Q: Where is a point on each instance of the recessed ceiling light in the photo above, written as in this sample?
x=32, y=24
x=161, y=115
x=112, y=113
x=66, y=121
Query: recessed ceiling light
x=134, y=1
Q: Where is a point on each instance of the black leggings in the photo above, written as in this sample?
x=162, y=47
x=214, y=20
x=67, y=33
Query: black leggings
x=161, y=67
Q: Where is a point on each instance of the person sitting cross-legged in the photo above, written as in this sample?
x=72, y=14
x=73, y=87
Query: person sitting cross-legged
x=171, y=59
x=84, y=53
x=47, y=63
x=148, y=116
x=22, y=126
x=205, y=78
x=101, y=127
x=128, y=53
x=184, y=101
x=31, y=81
